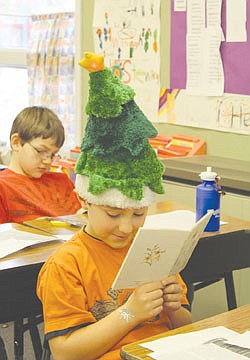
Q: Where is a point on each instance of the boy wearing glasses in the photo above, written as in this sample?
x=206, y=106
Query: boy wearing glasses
x=27, y=189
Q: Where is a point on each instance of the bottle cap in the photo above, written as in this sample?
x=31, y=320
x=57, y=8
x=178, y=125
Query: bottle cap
x=208, y=175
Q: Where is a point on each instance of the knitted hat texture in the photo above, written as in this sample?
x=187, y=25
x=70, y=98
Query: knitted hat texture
x=117, y=166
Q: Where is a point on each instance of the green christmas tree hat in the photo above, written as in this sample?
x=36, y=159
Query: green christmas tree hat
x=117, y=166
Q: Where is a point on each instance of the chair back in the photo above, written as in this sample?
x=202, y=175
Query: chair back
x=46, y=351
x=216, y=258
x=3, y=353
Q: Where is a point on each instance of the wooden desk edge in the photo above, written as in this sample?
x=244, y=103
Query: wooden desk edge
x=237, y=320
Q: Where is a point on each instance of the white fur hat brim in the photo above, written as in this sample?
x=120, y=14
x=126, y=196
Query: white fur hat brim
x=112, y=197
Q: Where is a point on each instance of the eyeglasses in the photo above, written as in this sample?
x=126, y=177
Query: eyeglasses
x=44, y=155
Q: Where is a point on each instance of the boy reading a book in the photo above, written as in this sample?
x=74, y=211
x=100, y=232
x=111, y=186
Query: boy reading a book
x=27, y=189
x=118, y=175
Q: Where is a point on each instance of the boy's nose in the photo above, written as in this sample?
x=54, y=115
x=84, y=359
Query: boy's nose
x=126, y=227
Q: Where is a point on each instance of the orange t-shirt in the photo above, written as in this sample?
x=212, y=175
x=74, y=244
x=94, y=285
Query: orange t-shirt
x=23, y=198
x=74, y=286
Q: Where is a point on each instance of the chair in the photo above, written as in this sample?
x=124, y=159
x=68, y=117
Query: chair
x=27, y=324
x=215, y=258
x=17, y=305
x=3, y=353
x=46, y=351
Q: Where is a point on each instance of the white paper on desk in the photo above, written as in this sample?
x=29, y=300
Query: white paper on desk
x=242, y=340
x=170, y=345
x=202, y=352
x=160, y=248
x=13, y=240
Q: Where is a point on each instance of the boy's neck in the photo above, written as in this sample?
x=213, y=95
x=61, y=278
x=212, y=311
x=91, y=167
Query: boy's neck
x=15, y=167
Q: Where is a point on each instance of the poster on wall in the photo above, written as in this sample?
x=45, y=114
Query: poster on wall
x=230, y=112
x=127, y=33
x=209, y=71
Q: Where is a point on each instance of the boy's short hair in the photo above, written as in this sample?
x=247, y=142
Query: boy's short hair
x=37, y=121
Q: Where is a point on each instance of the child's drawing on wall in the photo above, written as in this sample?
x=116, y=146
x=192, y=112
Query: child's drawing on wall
x=167, y=104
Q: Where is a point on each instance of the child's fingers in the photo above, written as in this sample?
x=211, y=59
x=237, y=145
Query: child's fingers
x=151, y=286
x=172, y=289
x=173, y=279
x=172, y=306
x=172, y=297
x=146, y=301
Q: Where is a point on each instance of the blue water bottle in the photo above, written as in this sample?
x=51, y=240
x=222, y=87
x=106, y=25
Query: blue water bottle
x=208, y=198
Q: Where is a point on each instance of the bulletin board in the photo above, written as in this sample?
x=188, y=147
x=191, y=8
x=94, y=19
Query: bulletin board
x=235, y=55
x=230, y=112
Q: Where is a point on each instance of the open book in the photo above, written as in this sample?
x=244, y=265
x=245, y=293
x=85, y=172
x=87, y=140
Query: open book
x=162, y=247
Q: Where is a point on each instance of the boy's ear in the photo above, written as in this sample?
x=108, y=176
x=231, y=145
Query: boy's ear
x=82, y=201
x=15, y=142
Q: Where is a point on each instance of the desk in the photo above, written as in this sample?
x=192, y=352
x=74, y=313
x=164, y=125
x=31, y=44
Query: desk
x=237, y=320
x=21, y=268
x=217, y=254
x=233, y=224
x=30, y=259
x=18, y=277
x=18, y=272
x=235, y=174
x=33, y=256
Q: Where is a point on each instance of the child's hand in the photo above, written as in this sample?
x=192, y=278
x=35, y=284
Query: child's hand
x=146, y=301
x=172, y=293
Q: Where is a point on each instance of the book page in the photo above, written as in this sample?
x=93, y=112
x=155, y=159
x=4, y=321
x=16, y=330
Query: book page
x=150, y=257
x=171, y=220
x=156, y=253
x=189, y=244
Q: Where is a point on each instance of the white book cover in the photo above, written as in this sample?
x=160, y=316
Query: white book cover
x=162, y=247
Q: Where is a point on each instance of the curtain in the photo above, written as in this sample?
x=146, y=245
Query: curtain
x=51, y=67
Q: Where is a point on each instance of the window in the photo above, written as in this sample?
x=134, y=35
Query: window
x=15, y=21
x=13, y=72
x=14, y=97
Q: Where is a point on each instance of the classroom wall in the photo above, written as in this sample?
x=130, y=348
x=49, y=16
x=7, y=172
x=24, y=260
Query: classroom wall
x=219, y=143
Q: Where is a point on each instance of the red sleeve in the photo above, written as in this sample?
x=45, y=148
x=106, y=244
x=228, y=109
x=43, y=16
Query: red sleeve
x=3, y=208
